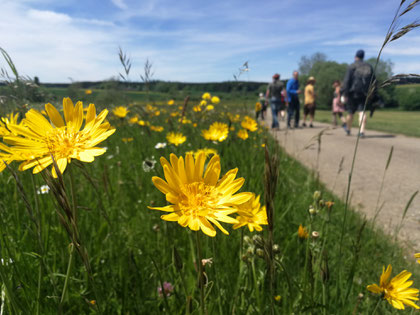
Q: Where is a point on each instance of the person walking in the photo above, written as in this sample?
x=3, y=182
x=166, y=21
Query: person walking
x=292, y=90
x=273, y=94
x=355, y=88
x=337, y=105
x=309, y=107
x=262, y=107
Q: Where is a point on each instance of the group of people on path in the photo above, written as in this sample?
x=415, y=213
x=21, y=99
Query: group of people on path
x=349, y=96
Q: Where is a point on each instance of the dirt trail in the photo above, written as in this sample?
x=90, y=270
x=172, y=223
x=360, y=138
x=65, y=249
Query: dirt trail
x=402, y=178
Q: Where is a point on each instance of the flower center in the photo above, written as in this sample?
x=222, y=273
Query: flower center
x=198, y=199
x=62, y=143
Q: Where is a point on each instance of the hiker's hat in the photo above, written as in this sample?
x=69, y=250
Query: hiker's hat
x=276, y=76
x=311, y=79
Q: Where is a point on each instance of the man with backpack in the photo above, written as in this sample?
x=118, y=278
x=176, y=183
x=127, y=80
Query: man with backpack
x=355, y=88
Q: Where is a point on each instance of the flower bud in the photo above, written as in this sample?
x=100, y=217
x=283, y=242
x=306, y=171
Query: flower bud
x=315, y=235
x=317, y=195
x=260, y=252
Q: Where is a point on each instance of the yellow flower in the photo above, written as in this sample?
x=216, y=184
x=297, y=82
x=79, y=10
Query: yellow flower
x=418, y=257
x=157, y=113
x=175, y=114
x=38, y=139
x=171, y=102
x=120, y=111
x=197, y=197
x=203, y=103
x=197, y=108
x=209, y=107
x=215, y=100
x=243, y=134
x=141, y=123
x=88, y=92
x=125, y=140
x=396, y=291
x=302, y=232
x=233, y=118
x=249, y=123
x=206, y=151
x=206, y=96
x=134, y=120
x=258, y=106
x=251, y=214
x=194, y=125
x=217, y=132
x=180, y=108
x=277, y=298
x=10, y=119
x=156, y=128
x=176, y=138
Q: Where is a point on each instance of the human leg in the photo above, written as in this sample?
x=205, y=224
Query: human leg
x=297, y=114
x=275, y=121
x=362, y=122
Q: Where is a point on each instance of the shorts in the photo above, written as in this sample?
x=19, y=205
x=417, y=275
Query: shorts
x=356, y=104
x=309, y=109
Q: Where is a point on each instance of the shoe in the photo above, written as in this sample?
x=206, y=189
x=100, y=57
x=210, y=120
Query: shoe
x=289, y=127
x=344, y=125
x=362, y=135
x=311, y=126
x=303, y=125
x=347, y=132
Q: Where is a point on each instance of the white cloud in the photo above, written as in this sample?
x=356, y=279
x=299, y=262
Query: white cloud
x=120, y=4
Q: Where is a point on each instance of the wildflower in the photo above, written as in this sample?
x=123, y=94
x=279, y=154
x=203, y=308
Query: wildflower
x=175, y=114
x=314, y=235
x=206, y=151
x=418, y=257
x=251, y=214
x=157, y=113
x=141, y=123
x=396, y=291
x=120, y=111
x=44, y=189
x=194, y=125
x=38, y=141
x=217, y=132
x=88, y=92
x=243, y=134
x=277, y=298
x=167, y=287
x=263, y=145
x=206, y=96
x=156, y=128
x=203, y=103
x=125, y=140
x=149, y=164
x=215, y=100
x=207, y=261
x=302, y=232
x=317, y=195
x=93, y=302
x=197, y=108
x=249, y=124
x=198, y=197
x=329, y=204
x=233, y=118
x=209, y=107
x=171, y=102
x=176, y=138
x=133, y=120
x=160, y=145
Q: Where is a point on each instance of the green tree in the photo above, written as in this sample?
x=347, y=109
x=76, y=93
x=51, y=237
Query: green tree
x=306, y=63
x=383, y=73
x=325, y=73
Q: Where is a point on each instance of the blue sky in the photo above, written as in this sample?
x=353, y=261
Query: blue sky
x=195, y=41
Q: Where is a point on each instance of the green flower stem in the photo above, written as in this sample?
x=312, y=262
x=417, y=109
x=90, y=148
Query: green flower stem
x=376, y=306
x=200, y=274
x=66, y=281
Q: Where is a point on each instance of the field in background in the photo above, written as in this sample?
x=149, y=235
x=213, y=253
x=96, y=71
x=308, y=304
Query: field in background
x=395, y=122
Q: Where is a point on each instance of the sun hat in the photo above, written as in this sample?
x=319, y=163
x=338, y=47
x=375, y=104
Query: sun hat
x=276, y=76
x=311, y=79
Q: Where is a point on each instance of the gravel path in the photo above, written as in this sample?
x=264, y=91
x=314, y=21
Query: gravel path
x=402, y=178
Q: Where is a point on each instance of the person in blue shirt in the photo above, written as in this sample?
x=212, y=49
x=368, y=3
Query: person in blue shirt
x=292, y=89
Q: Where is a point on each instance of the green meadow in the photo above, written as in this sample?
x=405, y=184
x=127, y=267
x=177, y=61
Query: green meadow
x=127, y=255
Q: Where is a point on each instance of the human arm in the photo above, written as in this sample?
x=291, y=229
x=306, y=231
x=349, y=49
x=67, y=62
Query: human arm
x=345, y=87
